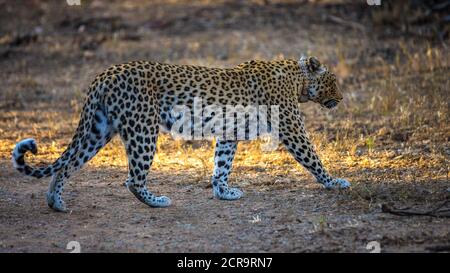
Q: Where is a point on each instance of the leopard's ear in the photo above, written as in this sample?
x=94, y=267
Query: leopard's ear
x=313, y=64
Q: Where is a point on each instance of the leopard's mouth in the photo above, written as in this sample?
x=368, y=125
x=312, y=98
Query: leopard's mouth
x=330, y=103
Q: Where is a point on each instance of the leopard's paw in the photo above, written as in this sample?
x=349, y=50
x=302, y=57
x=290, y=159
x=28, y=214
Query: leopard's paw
x=226, y=193
x=337, y=183
x=55, y=202
x=161, y=202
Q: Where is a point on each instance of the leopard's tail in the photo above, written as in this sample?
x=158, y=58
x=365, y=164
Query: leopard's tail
x=93, y=132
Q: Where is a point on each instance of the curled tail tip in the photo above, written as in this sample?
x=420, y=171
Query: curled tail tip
x=28, y=144
x=19, y=151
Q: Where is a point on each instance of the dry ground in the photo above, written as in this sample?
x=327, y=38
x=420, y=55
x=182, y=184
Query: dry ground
x=390, y=137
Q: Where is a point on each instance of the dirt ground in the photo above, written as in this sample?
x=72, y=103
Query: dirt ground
x=389, y=137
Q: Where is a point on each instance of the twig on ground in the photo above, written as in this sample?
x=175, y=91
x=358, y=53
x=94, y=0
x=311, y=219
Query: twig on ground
x=439, y=211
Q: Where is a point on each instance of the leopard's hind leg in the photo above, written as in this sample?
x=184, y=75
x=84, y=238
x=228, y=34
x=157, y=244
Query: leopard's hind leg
x=88, y=146
x=139, y=134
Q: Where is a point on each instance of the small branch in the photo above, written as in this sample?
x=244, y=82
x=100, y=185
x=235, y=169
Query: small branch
x=439, y=211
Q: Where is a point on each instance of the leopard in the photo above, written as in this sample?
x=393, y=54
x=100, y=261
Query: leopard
x=135, y=100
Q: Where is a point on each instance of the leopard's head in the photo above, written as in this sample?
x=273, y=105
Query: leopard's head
x=320, y=85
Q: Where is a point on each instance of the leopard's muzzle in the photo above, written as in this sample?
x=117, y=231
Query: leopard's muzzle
x=331, y=103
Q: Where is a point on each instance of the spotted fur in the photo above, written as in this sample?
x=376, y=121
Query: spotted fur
x=135, y=100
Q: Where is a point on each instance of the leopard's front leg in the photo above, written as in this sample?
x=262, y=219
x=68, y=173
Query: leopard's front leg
x=294, y=137
x=223, y=160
